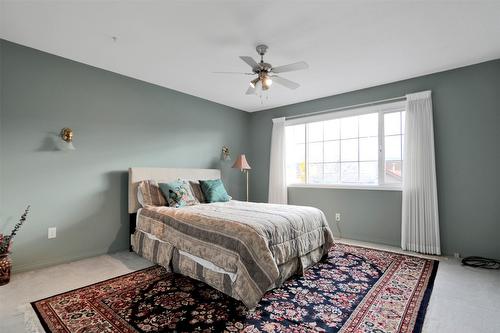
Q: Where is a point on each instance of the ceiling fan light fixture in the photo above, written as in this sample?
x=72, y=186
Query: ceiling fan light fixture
x=253, y=83
x=267, y=81
x=258, y=86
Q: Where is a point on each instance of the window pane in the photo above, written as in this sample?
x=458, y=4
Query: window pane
x=368, y=172
x=295, y=164
x=315, y=152
x=331, y=173
x=349, y=149
x=393, y=147
x=332, y=129
x=349, y=127
x=393, y=172
x=392, y=123
x=332, y=151
x=368, y=125
x=315, y=174
x=368, y=149
x=315, y=132
x=296, y=133
x=349, y=172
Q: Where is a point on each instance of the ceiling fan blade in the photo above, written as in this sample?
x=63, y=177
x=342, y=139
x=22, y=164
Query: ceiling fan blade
x=249, y=60
x=285, y=82
x=290, y=67
x=233, y=73
x=250, y=91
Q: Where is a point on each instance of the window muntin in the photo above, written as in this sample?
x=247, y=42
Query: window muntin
x=362, y=149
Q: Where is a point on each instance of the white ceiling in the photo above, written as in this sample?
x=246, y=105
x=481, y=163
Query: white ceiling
x=178, y=44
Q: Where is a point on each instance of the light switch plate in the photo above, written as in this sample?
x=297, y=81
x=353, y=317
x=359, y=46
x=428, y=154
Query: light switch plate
x=52, y=233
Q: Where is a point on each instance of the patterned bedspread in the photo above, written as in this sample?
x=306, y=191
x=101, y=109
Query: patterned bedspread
x=261, y=244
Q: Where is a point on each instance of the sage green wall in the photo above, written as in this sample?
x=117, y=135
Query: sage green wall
x=118, y=122
x=373, y=220
x=467, y=137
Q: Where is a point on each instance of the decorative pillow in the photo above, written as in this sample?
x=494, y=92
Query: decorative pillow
x=178, y=193
x=198, y=193
x=214, y=190
x=151, y=194
x=139, y=197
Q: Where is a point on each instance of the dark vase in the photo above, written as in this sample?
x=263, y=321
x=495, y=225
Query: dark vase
x=5, y=266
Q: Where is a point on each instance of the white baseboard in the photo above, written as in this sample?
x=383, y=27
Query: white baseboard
x=57, y=261
x=389, y=248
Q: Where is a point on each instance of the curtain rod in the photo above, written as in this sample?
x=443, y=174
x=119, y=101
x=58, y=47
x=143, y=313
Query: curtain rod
x=400, y=98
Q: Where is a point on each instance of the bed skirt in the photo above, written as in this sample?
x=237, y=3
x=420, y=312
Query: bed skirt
x=166, y=255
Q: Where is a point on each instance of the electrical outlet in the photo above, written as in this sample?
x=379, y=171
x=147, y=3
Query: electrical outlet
x=337, y=217
x=52, y=233
x=456, y=255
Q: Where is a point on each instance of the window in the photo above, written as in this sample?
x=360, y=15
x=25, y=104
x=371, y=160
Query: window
x=355, y=147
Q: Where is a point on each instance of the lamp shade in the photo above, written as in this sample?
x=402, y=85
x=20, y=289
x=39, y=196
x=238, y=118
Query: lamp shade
x=241, y=163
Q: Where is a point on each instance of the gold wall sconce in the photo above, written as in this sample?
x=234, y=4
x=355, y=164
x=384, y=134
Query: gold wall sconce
x=66, y=136
x=225, y=154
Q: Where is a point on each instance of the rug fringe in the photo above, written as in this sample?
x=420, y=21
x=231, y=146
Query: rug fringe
x=31, y=322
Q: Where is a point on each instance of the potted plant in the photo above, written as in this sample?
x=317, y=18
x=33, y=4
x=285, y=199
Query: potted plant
x=5, y=245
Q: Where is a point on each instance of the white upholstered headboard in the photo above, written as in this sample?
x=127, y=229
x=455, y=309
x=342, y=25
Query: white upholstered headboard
x=136, y=175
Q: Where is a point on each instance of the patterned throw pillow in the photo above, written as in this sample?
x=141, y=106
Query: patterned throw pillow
x=178, y=193
x=198, y=193
x=214, y=190
x=151, y=194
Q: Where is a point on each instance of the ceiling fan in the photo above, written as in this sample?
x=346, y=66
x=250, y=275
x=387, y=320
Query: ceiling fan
x=266, y=72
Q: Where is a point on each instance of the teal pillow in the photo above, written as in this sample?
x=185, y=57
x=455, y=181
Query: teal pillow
x=178, y=193
x=214, y=190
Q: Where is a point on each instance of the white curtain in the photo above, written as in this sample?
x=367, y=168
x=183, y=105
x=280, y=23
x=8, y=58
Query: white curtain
x=420, y=218
x=277, y=165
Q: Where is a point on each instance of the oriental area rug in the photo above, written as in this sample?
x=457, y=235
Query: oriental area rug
x=354, y=289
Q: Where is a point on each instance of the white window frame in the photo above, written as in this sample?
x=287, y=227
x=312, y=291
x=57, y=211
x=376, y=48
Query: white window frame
x=381, y=109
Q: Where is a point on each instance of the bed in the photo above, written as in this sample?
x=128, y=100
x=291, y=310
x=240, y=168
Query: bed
x=240, y=248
